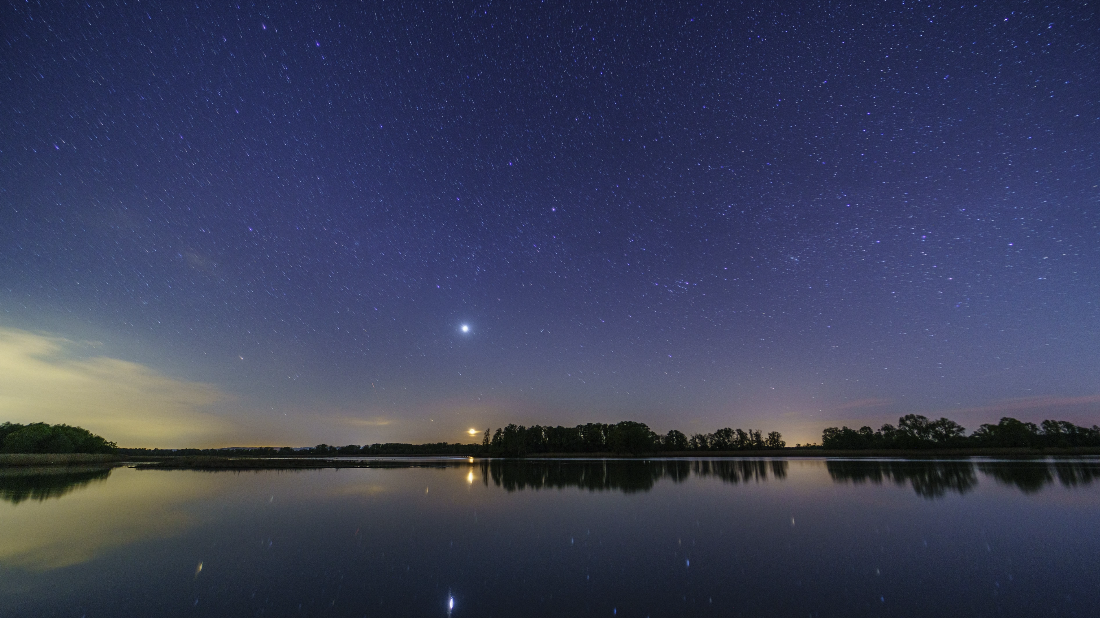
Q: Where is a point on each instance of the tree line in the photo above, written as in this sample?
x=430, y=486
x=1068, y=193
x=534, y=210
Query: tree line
x=321, y=450
x=918, y=432
x=46, y=438
x=626, y=437
x=913, y=431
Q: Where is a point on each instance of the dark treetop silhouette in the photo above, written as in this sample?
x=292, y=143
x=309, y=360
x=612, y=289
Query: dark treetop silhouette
x=46, y=438
x=918, y=432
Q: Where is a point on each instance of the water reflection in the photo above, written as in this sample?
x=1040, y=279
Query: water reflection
x=930, y=479
x=934, y=479
x=741, y=470
x=1072, y=475
x=627, y=476
x=1032, y=476
x=20, y=484
x=1028, y=478
x=715, y=537
x=93, y=515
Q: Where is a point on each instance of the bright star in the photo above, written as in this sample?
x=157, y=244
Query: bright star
x=465, y=328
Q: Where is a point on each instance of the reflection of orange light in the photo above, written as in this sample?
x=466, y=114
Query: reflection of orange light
x=470, y=477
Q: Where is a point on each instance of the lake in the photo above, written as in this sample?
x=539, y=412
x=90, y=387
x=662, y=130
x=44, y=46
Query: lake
x=457, y=537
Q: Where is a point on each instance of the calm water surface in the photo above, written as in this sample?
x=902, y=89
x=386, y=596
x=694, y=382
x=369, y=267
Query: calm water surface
x=456, y=538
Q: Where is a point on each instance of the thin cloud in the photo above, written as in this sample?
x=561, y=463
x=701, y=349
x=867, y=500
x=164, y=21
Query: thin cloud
x=1031, y=404
x=46, y=378
x=861, y=404
x=376, y=421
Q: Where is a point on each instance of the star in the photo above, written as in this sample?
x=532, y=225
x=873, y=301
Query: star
x=717, y=228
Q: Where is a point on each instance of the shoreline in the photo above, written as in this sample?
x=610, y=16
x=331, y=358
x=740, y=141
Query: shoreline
x=19, y=460
x=246, y=462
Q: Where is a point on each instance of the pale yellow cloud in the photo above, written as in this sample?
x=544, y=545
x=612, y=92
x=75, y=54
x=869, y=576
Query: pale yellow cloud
x=375, y=421
x=46, y=378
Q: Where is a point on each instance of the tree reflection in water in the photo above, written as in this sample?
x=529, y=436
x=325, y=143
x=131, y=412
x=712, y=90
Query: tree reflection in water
x=1072, y=474
x=740, y=470
x=20, y=484
x=934, y=479
x=628, y=476
x=1030, y=477
x=930, y=479
x=625, y=476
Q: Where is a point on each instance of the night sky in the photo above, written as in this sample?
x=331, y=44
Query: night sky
x=223, y=224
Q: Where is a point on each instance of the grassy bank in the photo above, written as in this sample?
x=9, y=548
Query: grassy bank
x=213, y=462
x=208, y=462
x=54, y=459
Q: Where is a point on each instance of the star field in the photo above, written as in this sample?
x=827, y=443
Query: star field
x=691, y=215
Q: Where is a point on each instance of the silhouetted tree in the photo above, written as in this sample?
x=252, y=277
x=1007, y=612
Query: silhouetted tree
x=1065, y=434
x=946, y=432
x=631, y=437
x=675, y=441
x=914, y=431
x=594, y=437
x=721, y=440
x=46, y=438
x=698, y=442
x=1009, y=432
x=847, y=439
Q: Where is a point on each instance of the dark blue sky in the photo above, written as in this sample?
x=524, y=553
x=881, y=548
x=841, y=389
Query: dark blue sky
x=779, y=216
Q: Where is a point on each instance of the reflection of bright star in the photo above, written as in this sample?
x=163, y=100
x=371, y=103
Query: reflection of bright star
x=465, y=328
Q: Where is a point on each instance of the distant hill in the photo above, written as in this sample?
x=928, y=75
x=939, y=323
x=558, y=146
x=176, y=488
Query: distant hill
x=46, y=438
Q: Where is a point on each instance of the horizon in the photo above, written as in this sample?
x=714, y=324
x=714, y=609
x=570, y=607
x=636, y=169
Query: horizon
x=1039, y=428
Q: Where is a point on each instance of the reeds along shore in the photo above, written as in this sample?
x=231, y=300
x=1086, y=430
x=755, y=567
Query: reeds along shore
x=247, y=460
x=54, y=459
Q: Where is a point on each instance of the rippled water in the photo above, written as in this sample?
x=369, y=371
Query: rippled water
x=706, y=537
